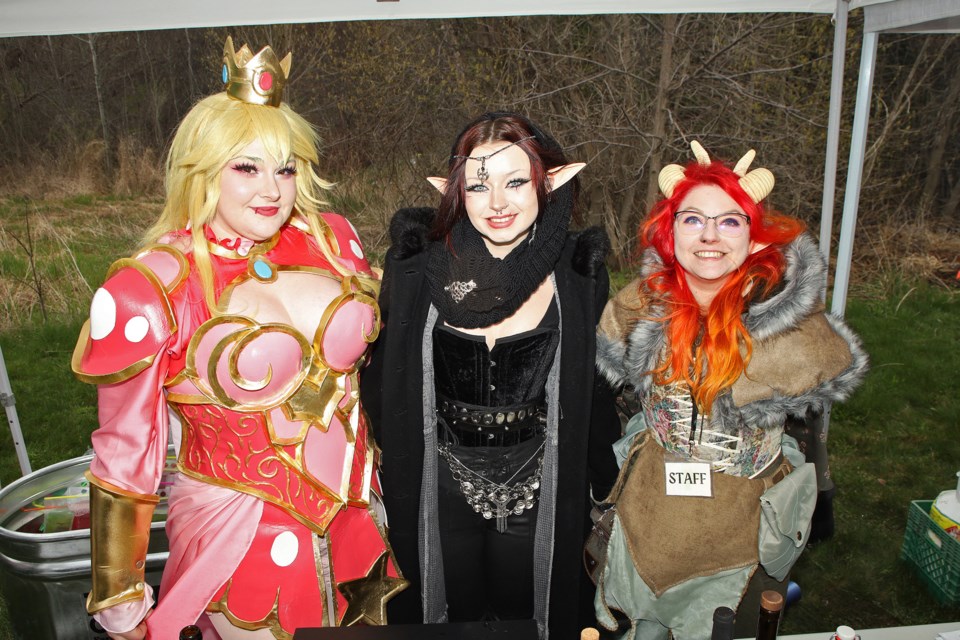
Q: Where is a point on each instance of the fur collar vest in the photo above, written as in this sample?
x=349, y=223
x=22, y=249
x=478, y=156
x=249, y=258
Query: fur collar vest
x=784, y=370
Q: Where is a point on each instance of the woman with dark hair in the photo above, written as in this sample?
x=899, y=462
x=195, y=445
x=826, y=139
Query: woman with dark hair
x=481, y=388
x=723, y=337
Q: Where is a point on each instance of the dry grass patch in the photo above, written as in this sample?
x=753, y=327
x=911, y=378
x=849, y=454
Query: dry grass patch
x=913, y=250
x=53, y=255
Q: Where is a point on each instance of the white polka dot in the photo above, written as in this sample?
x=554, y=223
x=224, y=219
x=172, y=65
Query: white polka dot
x=355, y=247
x=136, y=329
x=103, y=314
x=285, y=548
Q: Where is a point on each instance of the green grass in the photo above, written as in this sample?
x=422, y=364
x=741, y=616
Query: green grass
x=894, y=441
x=57, y=413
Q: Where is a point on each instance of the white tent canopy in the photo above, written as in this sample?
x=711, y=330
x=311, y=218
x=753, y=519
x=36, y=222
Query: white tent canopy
x=898, y=16
x=914, y=16
x=54, y=17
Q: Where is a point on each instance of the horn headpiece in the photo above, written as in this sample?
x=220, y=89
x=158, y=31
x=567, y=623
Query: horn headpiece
x=757, y=183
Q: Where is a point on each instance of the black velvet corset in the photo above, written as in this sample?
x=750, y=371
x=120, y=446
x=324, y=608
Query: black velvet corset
x=513, y=372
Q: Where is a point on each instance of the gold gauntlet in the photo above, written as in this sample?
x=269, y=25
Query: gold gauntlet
x=119, y=534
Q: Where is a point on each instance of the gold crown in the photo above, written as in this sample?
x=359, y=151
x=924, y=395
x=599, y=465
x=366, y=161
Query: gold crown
x=257, y=79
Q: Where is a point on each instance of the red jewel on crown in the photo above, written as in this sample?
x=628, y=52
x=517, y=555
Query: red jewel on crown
x=257, y=79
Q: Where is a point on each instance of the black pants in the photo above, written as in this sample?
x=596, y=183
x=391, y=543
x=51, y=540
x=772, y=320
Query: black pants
x=488, y=575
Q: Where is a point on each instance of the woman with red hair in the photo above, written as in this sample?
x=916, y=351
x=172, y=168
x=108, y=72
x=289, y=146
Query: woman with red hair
x=722, y=338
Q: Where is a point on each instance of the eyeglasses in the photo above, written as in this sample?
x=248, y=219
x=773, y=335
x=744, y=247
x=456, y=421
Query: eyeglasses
x=730, y=225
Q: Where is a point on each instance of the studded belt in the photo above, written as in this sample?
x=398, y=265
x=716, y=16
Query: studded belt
x=472, y=426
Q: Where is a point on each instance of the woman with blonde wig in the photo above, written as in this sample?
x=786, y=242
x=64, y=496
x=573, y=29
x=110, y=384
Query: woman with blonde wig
x=238, y=330
x=722, y=338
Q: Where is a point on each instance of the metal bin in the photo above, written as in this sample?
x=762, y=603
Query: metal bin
x=45, y=577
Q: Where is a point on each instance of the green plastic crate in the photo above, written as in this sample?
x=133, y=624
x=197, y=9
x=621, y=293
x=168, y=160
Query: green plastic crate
x=933, y=553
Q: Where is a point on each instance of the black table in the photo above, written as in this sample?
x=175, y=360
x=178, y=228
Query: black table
x=502, y=630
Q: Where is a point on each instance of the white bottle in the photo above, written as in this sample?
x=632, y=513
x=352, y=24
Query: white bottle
x=946, y=510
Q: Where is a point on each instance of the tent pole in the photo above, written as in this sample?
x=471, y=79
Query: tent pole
x=851, y=198
x=833, y=130
x=6, y=399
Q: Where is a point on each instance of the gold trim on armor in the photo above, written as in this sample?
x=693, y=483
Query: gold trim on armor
x=352, y=454
x=298, y=222
x=181, y=376
x=181, y=259
x=318, y=397
x=107, y=378
x=83, y=340
x=251, y=330
x=118, y=562
x=292, y=440
x=367, y=597
x=368, y=469
x=371, y=284
x=183, y=398
x=334, y=504
x=270, y=621
x=348, y=295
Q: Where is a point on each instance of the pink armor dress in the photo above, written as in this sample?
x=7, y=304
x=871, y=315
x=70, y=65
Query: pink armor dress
x=270, y=520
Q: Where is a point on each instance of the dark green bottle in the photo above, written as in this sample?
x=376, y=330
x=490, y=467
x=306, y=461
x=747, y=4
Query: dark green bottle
x=722, y=624
x=191, y=632
x=771, y=606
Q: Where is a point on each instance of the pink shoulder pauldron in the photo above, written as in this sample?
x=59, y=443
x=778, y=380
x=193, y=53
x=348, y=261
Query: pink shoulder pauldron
x=131, y=316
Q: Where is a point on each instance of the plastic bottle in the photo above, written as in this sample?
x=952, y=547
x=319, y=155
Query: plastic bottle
x=722, y=624
x=946, y=510
x=844, y=633
x=771, y=605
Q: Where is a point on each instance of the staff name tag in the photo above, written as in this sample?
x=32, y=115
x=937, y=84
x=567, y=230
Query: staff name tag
x=688, y=479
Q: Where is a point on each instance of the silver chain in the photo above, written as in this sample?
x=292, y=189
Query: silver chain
x=495, y=499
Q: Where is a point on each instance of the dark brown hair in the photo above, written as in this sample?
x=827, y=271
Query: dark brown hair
x=543, y=151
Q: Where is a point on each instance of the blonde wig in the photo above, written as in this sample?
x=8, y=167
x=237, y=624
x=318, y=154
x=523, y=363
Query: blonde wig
x=215, y=131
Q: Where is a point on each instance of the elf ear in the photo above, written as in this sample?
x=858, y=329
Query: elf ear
x=440, y=184
x=559, y=176
x=758, y=246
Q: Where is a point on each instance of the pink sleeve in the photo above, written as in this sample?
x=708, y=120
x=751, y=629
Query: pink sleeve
x=125, y=616
x=131, y=443
x=130, y=446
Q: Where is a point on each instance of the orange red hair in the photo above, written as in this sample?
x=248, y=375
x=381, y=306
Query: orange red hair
x=710, y=351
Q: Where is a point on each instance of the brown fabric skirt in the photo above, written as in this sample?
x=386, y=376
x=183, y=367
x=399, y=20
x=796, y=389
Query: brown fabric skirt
x=674, y=538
